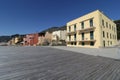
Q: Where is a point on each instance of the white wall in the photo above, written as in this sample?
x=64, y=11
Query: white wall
x=61, y=35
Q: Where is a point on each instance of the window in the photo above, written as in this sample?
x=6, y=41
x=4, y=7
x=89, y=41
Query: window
x=82, y=25
x=75, y=43
x=103, y=34
x=91, y=35
x=69, y=38
x=110, y=36
x=30, y=38
x=75, y=37
x=83, y=43
x=91, y=22
x=82, y=36
x=113, y=36
x=104, y=43
x=103, y=22
x=72, y=43
x=107, y=24
x=107, y=35
x=108, y=43
x=69, y=28
x=111, y=42
x=75, y=27
x=110, y=26
x=92, y=43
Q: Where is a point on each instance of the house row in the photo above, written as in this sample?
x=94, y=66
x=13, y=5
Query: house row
x=93, y=30
x=15, y=41
x=45, y=38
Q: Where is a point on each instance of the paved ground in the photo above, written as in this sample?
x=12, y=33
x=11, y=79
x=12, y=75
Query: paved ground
x=45, y=63
x=113, y=52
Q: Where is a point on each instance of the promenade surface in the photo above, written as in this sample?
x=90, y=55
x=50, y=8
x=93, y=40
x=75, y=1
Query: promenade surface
x=46, y=63
x=111, y=52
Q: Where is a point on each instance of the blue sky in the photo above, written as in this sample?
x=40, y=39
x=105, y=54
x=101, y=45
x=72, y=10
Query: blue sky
x=29, y=16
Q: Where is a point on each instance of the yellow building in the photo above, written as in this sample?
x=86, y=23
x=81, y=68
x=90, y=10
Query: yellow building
x=16, y=40
x=93, y=30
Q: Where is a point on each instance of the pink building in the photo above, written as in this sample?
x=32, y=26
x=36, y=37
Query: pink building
x=30, y=39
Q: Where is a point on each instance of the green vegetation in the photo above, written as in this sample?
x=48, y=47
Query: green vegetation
x=54, y=29
x=5, y=38
x=118, y=28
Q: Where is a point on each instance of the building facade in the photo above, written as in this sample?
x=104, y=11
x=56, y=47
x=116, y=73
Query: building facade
x=59, y=35
x=93, y=30
x=11, y=42
x=41, y=39
x=48, y=37
x=30, y=39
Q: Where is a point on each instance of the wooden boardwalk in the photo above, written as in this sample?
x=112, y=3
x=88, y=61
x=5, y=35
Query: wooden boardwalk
x=43, y=63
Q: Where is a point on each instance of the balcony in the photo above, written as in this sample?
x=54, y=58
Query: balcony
x=69, y=41
x=87, y=40
x=86, y=30
x=71, y=32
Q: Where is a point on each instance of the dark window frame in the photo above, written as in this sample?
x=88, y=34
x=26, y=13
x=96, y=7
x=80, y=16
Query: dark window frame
x=69, y=28
x=107, y=35
x=83, y=43
x=69, y=37
x=106, y=24
x=91, y=35
x=110, y=26
x=103, y=22
x=92, y=43
x=75, y=37
x=110, y=36
x=103, y=34
x=91, y=22
x=75, y=43
x=75, y=27
x=83, y=36
x=104, y=43
x=82, y=25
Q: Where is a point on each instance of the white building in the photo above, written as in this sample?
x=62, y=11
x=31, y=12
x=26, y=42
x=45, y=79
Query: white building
x=59, y=35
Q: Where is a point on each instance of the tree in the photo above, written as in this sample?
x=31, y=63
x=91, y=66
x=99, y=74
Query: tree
x=118, y=28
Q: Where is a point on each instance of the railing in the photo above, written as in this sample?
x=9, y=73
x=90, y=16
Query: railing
x=72, y=32
x=85, y=30
x=87, y=40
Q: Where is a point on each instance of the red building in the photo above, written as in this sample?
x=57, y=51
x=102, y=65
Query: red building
x=31, y=39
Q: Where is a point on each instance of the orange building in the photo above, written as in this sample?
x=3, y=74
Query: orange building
x=30, y=39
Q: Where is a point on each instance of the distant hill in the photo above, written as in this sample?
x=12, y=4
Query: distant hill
x=53, y=29
x=118, y=28
x=5, y=38
x=50, y=29
x=62, y=28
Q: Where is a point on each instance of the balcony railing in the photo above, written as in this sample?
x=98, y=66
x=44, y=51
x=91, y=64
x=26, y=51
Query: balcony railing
x=87, y=40
x=85, y=30
x=69, y=41
x=71, y=32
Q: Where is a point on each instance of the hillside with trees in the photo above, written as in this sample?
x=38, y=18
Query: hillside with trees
x=118, y=28
x=5, y=38
x=51, y=29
